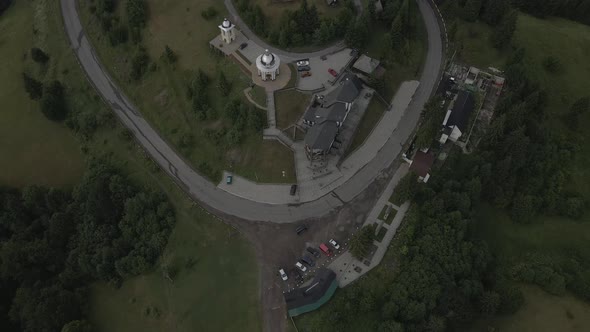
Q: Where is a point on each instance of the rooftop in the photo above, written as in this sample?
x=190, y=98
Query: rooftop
x=462, y=109
x=422, y=163
x=366, y=64
x=321, y=136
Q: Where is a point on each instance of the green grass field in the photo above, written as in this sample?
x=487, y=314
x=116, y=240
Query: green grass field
x=370, y=119
x=212, y=271
x=161, y=94
x=542, y=312
x=223, y=279
x=290, y=106
x=34, y=150
x=258, y=94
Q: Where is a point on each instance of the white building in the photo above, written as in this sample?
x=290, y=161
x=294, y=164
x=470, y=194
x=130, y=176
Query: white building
x=228, y=32
x=268, y=65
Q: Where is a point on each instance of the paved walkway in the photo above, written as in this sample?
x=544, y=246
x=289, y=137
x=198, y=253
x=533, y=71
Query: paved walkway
x=345, y=264
x=249, y=97
x=271, y=113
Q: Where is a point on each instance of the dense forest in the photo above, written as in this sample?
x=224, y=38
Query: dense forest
x=577, y=10
x=54, y=243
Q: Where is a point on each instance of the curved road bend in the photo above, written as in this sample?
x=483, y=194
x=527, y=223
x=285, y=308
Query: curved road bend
x=206, y=192
x=288, y=56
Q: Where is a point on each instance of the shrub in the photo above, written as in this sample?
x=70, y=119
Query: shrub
x=118, y=35
x=139, y=63
x=209, y=13
x=38, y=55
x=33, y=87
x=552, y=64
x=53, y=104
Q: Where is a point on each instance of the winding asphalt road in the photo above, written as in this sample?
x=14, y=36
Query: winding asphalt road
x=206, y=192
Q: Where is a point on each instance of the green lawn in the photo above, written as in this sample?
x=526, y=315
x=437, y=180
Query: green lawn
x=389, y=219
x=34, y=150
x=542, y=312
x=381, y=234
x=258, y=94
x=370, y=119
x=473, y=46
x=290, y=106
x=265, y=161
x=161, y=94
x=213, y=288
x=219, y=292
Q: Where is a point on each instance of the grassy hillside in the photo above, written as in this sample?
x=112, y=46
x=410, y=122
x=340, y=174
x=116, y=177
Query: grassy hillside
x=161, y=94
x=34, y=150
x=216, y=272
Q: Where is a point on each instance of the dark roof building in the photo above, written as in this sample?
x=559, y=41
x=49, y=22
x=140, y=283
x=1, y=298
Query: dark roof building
x=421, y=165
x=326, y=114
x=457, y=118
x=462, y=109
x=306, y=299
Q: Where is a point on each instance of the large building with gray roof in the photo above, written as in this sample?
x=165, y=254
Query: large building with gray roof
x=326, y=114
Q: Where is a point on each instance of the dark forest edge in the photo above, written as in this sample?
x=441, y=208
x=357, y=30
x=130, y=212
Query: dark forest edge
x=56, y=242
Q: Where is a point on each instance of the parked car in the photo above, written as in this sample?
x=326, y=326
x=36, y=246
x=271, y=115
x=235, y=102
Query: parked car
x=324, y=248
x=323, y=57
x=306, y=74
x=334, y=244
x=229, y=179
x=301, y=229
x=283, y=275
x=293, y=189
x=313, y=251
x=243, y=46
x=307, y=260
x=304, y=68
x=332, y=72
x=300, y=266
x=304, y=62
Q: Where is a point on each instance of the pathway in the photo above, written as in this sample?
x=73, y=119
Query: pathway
x=345, y=264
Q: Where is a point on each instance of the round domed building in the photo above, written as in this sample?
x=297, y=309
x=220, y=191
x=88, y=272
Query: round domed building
x=268, y=65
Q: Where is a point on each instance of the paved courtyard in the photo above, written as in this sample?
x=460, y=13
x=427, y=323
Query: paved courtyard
x=320, y=77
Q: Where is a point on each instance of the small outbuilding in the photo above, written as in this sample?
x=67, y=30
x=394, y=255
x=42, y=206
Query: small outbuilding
x=457, y=119
x=421, y=165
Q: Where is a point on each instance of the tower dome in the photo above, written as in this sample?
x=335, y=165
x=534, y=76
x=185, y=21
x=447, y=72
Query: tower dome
x=267, y=58
x=226, y=23
x=268, y=65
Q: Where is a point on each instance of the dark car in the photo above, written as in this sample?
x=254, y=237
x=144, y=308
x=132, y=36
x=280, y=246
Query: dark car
x=243, y=46
x=293, y=189
x=301, y=229
x=323, y=57
x=303, y=68
x=313, y=251
x=308, y=260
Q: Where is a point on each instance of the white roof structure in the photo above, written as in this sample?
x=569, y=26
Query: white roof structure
x=226, y=24
x=366, y=64
x=268, y=65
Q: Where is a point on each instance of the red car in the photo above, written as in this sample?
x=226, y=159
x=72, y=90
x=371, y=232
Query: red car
x=324, y=248
x=332, y=72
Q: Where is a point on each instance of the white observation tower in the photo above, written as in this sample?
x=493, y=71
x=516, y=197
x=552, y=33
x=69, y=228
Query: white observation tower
x=268, y=65
x=228, y=33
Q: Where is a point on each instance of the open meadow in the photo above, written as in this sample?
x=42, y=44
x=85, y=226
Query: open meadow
x=212, y=273
x=161, y=94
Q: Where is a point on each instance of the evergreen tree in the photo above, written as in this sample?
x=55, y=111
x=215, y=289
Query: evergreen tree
x=169, y=55
x=503, y=34
x=494, y=10
x=471, y=10
x=224, y=85
x=53, y=104
x=38, y=55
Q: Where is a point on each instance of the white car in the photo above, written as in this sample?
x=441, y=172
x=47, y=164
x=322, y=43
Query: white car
x=283, y=275
x=300, y=266
x=302, y=63
x=334, y=244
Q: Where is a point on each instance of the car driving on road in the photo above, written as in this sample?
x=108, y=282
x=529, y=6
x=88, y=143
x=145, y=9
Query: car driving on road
x=300, y=266
x=334, y=244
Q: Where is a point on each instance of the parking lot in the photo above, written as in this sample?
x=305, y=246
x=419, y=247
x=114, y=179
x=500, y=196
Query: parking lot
x=320, y=76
